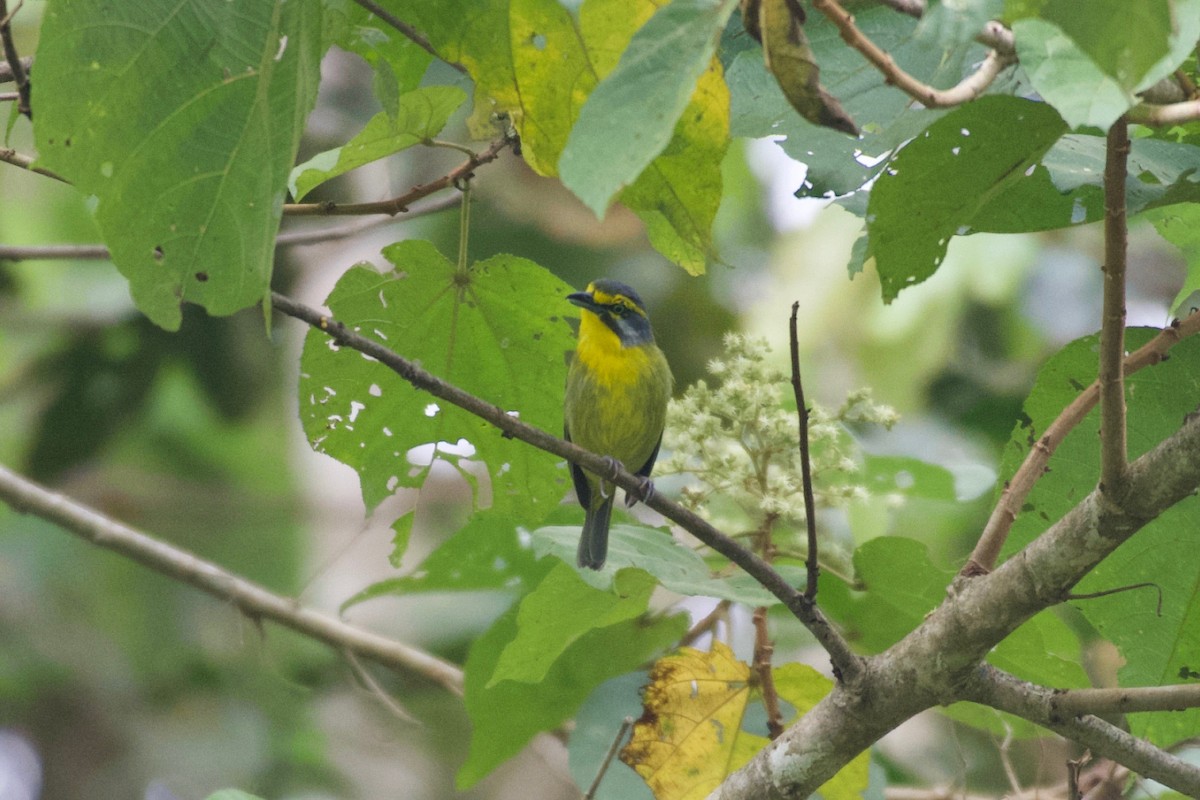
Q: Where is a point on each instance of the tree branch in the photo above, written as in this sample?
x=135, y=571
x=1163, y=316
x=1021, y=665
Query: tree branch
x=398, y=205
x=15, y=65
x=253, y=600
x=997, y=689
x=1171, y=114
x=995, y=532
x=1114, y=453
x=812, y=563
x=1075, y=702
x=845, y=662
x=937, y=662
x=967, y=89
x=23, y=161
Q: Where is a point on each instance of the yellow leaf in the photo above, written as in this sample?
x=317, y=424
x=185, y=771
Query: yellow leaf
x=690, y=737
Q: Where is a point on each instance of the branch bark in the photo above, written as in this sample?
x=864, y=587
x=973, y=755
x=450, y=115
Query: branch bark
x=1114, y=453
x=253, y=600
x=938, y=663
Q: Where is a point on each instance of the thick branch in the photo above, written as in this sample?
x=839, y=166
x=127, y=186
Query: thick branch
x=999, y=690
x=934, y=663
x=983, y=558
x=1172, y=114
x=968, y=89
x=251, y=599
x=1111, y=375
x=845, y=662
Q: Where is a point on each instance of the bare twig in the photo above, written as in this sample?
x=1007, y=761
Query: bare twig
x=1114, y=456
x=967, y=89
x=845, y=662
x=764, y=649
x=300, y=238
x=377, y=691
x=622, y=732
x=253, y=600
x=15, y=66
x=987, y=550
x=7, y=154
x=812, y=564
x=1170, y=114
x=914, y=8
x=709, y=623
x=6, y=71
x=1119, y=590
x=398, y=205
x=1075, y=702
x=406, y=29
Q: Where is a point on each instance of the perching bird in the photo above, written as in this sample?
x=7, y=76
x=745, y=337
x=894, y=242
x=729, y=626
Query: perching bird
x=616, y=402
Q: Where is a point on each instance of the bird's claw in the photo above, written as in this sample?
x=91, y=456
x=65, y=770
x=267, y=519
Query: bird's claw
x=644, y=492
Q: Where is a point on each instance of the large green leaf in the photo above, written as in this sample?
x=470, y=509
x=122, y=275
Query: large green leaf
x=398, y=62
x=418, y=115
x=506, y=716
x=631, y=115
x=1180, y=225
x=1124, y=42
x=182, y=122
x=1157, y=650
x=495, y=330
x=938, y=182
x=559, y=612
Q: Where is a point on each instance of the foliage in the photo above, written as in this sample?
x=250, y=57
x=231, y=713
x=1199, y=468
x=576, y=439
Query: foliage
x=182, y=132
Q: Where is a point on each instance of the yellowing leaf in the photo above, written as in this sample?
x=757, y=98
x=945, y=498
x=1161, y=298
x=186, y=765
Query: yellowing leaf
x=684, y=744
x=779, y=25
x=690, y=737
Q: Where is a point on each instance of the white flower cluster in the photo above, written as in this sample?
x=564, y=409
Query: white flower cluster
x=741, y=444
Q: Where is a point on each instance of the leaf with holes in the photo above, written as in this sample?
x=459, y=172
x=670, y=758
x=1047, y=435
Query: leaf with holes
x=189, y=162
x=935, y=185
x=496, y=330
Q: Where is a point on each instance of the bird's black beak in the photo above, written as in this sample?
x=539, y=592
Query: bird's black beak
x=583, y=300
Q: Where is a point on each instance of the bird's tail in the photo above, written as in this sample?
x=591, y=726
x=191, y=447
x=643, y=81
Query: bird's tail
x=593, y=544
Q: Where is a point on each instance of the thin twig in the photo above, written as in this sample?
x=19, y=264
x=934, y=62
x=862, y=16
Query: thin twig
x=1170, y=114
x=1119, y=590
x=1114, y=454
x=23, y=161
x=253, y=600
x=967, y=89
x=991, y=541
x=846, y=663
x=709, y=623
x=20, y=76
x=622, y=732
x=913, y=8
x=406, y=29
x=399, y=205
x=1074, y=702
x=300, y=238
x=6, y=71
x=812, y=564
x=377, y=691
x=764, y=649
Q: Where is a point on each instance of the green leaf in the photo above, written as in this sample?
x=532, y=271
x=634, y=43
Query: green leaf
x=419, y=115
x=1180, y=225
x=677, y=568
x=561, y=610
x=398, y=62
x=1067, y=78
x=940, y=180
x=631, y=115
x=188, y=162
x=1124, y=43
x=1156, y=649
x=506, y=716
x=887, y=117
x=496, y=331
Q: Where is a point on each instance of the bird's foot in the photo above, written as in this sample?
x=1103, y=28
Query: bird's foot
x=644, y=492
x=614, y=469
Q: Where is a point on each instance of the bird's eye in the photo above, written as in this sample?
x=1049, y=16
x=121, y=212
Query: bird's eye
x=619, y=309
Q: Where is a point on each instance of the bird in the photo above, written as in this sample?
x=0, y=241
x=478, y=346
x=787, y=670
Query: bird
x=618, y=386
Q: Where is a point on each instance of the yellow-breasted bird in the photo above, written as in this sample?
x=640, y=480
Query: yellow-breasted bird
x=618, y=386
